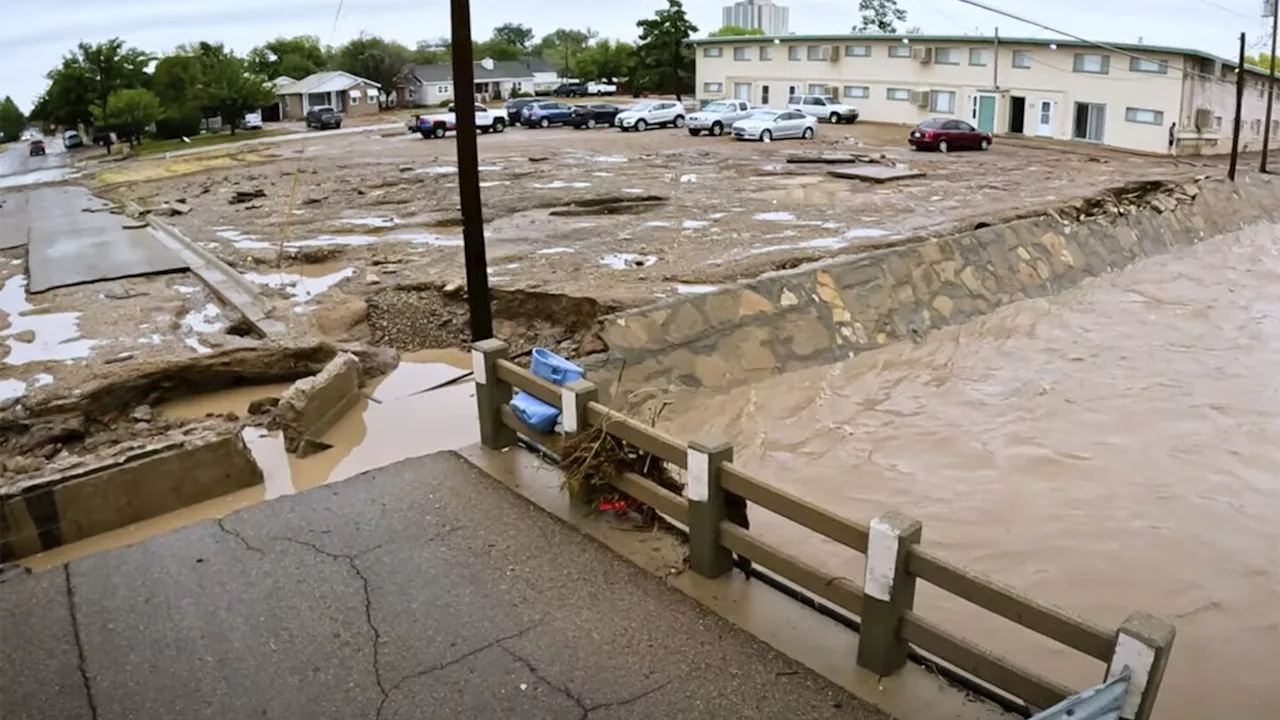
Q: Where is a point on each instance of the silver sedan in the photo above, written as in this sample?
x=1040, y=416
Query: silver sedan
x=769, y=125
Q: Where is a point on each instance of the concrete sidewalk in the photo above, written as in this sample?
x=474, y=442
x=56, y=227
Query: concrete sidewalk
x=420, y=590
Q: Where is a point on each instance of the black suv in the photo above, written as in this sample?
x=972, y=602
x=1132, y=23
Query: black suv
x=324, y=117
x=571, y=90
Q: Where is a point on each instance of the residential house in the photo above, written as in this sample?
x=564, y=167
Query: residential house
x=1128, y=96
x=274, y=112
x=432, y=85
x=347, y=93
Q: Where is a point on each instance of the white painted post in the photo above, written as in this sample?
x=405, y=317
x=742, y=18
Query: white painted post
x=889, y=591
x=1143, y=644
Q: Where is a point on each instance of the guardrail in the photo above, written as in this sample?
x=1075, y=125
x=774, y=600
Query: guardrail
x=894, y=559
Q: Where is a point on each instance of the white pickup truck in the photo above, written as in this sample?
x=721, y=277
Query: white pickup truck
x=601, y=88
x=437, y=125
x=717, y=116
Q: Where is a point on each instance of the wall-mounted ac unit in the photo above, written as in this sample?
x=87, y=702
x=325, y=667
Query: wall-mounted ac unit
x=835, y=53
x=920, y=98
x=922, y=55
x=1204, y=119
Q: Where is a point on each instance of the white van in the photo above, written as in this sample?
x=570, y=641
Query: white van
x=252, y=121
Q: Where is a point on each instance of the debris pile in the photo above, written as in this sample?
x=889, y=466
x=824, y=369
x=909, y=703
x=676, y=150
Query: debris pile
x=1160, y=195
x=593, y=461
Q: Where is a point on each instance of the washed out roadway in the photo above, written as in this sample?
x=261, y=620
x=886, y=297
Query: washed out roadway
x=424, y=589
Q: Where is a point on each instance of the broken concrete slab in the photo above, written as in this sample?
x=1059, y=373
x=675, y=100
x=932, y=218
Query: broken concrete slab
x=313, y=404
x=834, y=158
x=876, y=173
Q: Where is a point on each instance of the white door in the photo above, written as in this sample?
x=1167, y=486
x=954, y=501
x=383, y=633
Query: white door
x=1044, y=118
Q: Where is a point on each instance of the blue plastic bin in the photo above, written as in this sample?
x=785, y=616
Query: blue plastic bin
x=551, y=367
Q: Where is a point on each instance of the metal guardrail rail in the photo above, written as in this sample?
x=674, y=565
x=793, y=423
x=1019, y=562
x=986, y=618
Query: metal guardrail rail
x=890, y=626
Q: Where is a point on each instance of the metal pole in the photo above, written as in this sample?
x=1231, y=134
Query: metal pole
x=464, y=92
x=1271, y=89
x=1235, y=126
x=995, y=72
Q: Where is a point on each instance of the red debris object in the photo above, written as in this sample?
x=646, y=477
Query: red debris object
x=613, y=505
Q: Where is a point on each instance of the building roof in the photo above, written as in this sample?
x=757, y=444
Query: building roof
x=502, y=70
x=282, y=81
x=323, y=82
x=931, y=39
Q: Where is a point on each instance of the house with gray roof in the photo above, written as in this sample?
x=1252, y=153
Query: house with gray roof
x=432, y=85
x=347, y=93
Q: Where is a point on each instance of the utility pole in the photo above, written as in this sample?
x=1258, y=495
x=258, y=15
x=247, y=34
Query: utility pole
x=464, y=103
x=1235, y=126
x=995, y=71
x=1271, y=85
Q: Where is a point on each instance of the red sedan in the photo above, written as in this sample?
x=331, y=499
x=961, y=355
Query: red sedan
x=946, y=134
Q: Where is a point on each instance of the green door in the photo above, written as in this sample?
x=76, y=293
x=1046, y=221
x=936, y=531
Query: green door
x=987, y=113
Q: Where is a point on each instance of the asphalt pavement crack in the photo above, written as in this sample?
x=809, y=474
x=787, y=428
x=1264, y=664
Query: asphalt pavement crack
x=75, y=631
x=222, y=525
x=583, y=707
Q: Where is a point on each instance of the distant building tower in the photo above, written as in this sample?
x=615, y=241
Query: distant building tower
x=760, y=15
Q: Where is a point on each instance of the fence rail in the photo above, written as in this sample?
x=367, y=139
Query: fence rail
x=890, y=626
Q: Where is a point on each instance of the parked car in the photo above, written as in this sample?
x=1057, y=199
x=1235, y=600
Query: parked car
x=412, y=123
x=593, y=115
x=601, y=88
x=823, y=107
x=251, y=121
x=571, y=90
x=645, y=115
x=947, y=134
x=768, y=125
x=716, y=116
x=515, y=106
x=71, y=139
x=36, y=147
x=545, y=113
x=323, y=117
x=438, y=124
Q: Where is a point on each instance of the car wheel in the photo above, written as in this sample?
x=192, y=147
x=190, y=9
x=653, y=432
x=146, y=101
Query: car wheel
x=943, y=146
x=679, y=121
x=426, y=134
x=834, y=118
x=808, y=133
x=694, y=133
x=717, y=129
x=484, y=130
x=544, y=123
x=984, y=144
x=641, y=126
x=439, y=131
x=766, y=136
x=591, y=123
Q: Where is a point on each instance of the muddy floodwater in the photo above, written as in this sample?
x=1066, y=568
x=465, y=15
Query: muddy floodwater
x=1115, y=448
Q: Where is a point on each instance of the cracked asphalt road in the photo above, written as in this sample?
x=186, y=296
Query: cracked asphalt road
x=420, y=590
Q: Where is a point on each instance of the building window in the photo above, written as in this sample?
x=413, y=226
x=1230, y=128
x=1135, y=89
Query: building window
x=1148, y=66
x=354, y=97
x=857, y=51
x=817, y=52
x=1092, y=63
x=942, y=101
x=795, y=52
x=977, y=56
x=766, y=52
x=1146, y=117
x=899, y=51
x=1256, y=127
x=946, y=56
x=712, y=87
x=1217, y=122
x=372, y=95
x=857, y=92
x=1275, y=128
x=815, y=89
x=1022, y=59
x=442, y=89
x=712, y=52
x=901, y=94
x=740, y=53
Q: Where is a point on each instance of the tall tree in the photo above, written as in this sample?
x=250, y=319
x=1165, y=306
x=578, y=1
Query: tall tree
x=605, y=60
x=178, y=82
x=514, y=35
x=68, y=99
x=735, y=31
x=376, y=59
x=11, y=120
x=431, y=52
x=664, y=59
x=129, y=112
x=561, y=45
x=880, y=16
x=234, y=91
x=295, y=57
x=112, y=66
x=1262, y=60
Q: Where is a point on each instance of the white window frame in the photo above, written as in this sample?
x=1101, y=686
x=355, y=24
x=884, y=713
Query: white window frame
x=712, y=52
x=904, y=94
x=950, y=52
x=950, y=95
x=766, y=53
x=1078, y=63
x=857, y=51
x=981, y=53
x=353, y=97
x=1025, y=57
x=795, y=52
x=1143, y=65
x=371, y=94
x=739, y=94
x=813, y=53
x=712, y=87
x=740, y=54
x=855, y=92
x=899, y=51
x=1131, y=114
x=443, y=90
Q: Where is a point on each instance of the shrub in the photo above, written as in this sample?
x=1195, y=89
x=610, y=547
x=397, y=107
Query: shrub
x=519, y=94
x=181, y=122
x=445, y=103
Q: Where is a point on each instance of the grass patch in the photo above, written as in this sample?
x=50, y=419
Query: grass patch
x=159, y=147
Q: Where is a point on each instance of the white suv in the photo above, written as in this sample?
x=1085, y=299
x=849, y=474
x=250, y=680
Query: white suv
x=823, y=107
x=653, y=113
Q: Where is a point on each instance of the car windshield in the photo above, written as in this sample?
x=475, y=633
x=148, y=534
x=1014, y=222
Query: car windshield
x=933, y=123
x=640, y=107
x=719, y=107
x=764, y=115
x=829, y=100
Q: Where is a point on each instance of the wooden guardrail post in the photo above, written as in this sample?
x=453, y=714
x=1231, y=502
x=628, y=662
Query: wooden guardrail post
x=491, y=393
x=574, y=398
x=889, y=591
x=707, y=556
x=1143, y=643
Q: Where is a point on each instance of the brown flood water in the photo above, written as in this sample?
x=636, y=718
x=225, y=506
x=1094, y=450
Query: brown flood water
x=1116, y=448
x=393, y=425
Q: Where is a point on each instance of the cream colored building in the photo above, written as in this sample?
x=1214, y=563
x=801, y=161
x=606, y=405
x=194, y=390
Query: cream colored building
x=1058, y=89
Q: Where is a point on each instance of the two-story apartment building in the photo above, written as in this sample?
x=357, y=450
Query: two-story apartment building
x=1129, y=96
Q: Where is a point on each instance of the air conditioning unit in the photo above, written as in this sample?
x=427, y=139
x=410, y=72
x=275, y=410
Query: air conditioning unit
x=835, y=53
x=920, y=98
x=1204, y=119
x=922, y=55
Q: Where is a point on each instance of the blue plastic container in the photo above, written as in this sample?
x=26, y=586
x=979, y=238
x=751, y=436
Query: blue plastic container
x=551, y=367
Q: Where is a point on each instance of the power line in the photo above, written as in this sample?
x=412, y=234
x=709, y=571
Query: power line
x=1224, y=8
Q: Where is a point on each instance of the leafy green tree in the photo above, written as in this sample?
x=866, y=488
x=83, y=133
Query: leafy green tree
x=233, y=91
x=12, y=121
x=1262, y=60
x=880, y=16
x=664, y=58
x=431, y=52
x=129, y=112
x=295, y=57
x=560, y=46
x=67, y=100
x=605, y=60
x=735, y=31
x=374, y=58
x=112, y=66
x=513, y=35
x=176, y=79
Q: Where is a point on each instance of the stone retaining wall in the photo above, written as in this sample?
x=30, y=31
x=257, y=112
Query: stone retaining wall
x=824, y=313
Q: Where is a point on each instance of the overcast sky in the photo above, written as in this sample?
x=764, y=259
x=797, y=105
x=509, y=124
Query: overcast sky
x=33, y=38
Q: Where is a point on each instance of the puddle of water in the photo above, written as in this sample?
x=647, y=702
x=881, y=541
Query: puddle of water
x=609, y=159
x=395, y=425
x=494, y=183
x=207, y=319
x=866, y=233
x=777, y=216
x=186, y=289
x=419, y=238
x=36, y=177
x=378, y=222
x=657, y=223
x=633, y=191
x=563, y=184
x=830, y=243
x=237, y=237
x=555, y=251
x=694, y=224
x=602, y=174
x=688, y=178
x=437, y=170
x=12, y=388
x=696, y=289
x=489, y=168
x=57, y=335
x=627, y=261
x=195, y=344
x=301, y=286
x=717, y=216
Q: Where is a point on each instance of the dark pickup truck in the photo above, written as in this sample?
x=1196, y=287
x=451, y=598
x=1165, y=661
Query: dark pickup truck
x=323, y=118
